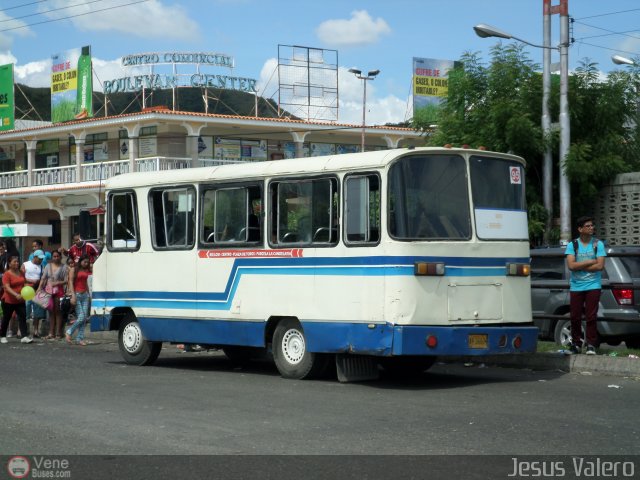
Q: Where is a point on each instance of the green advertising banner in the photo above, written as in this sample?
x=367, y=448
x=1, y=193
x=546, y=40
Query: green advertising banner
x=7, y=111
x=71, y=85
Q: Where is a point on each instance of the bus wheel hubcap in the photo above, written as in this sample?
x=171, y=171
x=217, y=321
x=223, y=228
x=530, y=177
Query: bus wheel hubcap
x=132, y=338
x=293, y=346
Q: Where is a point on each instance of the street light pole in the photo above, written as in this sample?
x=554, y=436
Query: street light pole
x=370, y=76
x=547, y=162
x=565, y=136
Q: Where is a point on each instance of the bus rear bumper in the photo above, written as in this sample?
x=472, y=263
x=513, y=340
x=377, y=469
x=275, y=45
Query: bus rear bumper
x=464, y=340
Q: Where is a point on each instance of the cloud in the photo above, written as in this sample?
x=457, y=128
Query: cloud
x=380, y=111
x=12, y=27
x=38, y=73
x=34, y=74
x=627, y=46
x=150, y=19
x=359, y=30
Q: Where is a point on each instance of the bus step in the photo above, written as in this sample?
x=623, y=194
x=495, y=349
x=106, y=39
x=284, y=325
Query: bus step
x=356, y=368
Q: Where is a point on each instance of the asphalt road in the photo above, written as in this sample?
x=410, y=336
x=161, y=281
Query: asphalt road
x=62, y=400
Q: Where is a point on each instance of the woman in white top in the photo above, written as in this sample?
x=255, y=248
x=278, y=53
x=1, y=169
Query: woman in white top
x=32, y=271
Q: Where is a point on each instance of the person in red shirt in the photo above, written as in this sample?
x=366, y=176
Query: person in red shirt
x=81, y=248
x=13, y=280
x=79, y=289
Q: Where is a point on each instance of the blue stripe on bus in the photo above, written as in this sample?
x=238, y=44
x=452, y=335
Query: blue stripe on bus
x=364, y=266
x=344, y=337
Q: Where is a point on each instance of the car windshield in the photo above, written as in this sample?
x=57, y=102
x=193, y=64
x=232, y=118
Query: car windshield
x=632, y=264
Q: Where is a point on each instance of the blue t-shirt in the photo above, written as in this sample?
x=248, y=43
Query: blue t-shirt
x=582, y=280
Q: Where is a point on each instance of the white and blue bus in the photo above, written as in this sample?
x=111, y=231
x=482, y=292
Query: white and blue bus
x=394, y=257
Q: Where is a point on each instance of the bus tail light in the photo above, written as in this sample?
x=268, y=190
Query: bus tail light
x=518, y=269
x=428, y=268
x=624, y=296
x=517, y=342
x=431, y=341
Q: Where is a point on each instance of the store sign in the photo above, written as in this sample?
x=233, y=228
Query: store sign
x=71, y=85
x=154, y=79
x=7, y=114
x=203, y=58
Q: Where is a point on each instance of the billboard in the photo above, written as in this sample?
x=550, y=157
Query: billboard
x=71, y=85
x=7, y=112
x=430, y=83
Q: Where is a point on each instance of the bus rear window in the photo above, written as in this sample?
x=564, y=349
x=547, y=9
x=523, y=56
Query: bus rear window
x=497, y=183
x=428, y=198
x=497, y=186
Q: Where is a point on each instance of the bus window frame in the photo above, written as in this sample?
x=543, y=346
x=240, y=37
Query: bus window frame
x=345, y=200
x=152, y=217
x=274, y=210
x=207, y=187
x=109, y=226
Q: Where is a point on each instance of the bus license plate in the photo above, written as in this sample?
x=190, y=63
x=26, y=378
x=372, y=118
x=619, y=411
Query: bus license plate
x=478, y=341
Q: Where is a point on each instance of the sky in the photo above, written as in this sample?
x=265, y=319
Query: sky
x=367, y=35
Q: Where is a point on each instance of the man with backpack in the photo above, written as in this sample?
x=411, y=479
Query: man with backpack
x=585, y=259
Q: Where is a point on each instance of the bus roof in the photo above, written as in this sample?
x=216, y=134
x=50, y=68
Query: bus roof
x=330, y=163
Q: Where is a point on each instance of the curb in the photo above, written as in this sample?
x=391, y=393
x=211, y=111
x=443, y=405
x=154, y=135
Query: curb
x=603, y=364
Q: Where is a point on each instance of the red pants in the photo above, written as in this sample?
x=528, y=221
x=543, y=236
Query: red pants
x=584, y=302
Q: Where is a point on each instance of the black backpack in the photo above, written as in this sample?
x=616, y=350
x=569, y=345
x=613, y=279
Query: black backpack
x=594, y=243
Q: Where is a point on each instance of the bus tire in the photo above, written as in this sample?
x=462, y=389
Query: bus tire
x=291, y=355
x=133, y=347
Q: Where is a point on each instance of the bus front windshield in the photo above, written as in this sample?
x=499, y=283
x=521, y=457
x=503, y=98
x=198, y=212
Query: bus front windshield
x=428, y=198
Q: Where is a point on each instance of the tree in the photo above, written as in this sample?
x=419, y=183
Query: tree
x=499, y=107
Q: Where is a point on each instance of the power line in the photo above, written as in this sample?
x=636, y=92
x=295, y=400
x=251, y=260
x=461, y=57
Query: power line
x=48, y=11
x=72, y=16
x=610, y=32
x=607, y=48
x=20, y=6
x=610, y=13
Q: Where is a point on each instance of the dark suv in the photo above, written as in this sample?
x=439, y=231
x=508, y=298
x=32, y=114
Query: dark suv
x=619, y=299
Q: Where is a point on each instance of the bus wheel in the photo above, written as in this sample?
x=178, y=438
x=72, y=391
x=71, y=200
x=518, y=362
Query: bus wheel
x=290, y=353
x=133, y=347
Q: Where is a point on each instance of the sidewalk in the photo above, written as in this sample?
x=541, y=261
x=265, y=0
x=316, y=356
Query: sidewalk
x=600, y=364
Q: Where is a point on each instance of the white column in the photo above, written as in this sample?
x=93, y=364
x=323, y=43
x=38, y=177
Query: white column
x=133, y=153
x=31, y=160
x=192, y=150
x=79, y=158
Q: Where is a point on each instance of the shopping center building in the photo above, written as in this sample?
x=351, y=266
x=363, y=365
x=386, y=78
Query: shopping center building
x=53, y=174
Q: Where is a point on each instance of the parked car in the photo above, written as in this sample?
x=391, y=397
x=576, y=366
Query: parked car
x=550, y=295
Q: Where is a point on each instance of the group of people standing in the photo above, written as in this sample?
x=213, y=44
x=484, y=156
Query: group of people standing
x=64, y=283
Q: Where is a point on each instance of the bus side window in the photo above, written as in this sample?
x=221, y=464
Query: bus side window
x=304, y=212
x=231, y=215
x=362, y=209
x=123, y=222
x=172, y=213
